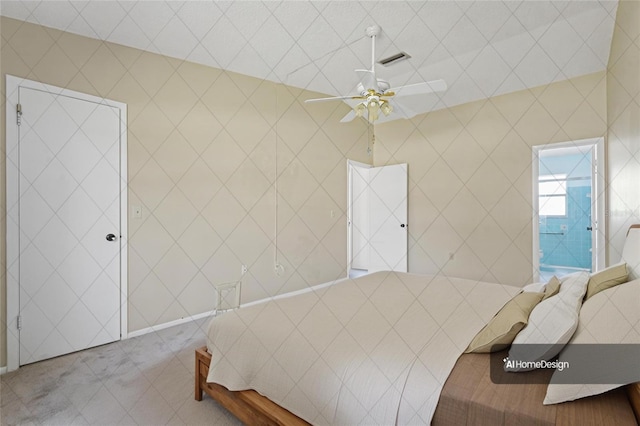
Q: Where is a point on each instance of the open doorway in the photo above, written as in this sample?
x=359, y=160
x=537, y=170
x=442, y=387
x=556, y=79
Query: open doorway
x=568, y=200
x=358, y=219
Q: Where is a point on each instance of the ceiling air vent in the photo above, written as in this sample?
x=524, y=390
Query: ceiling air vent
x=394, y=58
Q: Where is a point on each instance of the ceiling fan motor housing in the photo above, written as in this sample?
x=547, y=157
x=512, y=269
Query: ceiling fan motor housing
x=383, y=85
x=373, y=30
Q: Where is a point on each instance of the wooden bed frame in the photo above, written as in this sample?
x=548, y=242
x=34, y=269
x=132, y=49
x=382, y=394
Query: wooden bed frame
x=254, y=409
x=248, y=406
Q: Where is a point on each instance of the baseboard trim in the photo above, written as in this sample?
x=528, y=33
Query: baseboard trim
x=184, y=320
x=292, y=293
x=3, y=370
x=162, y=326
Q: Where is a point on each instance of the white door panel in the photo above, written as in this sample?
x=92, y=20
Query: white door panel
x=82, y=211
x=78, y=147
x=38, y=154
x=102, y=172
x=54, y=242
x=69, y=202
x=34, y=270
x=57, y=296
x=388, y=218
x=80, y=270
x=36, y=217
x=54, y=184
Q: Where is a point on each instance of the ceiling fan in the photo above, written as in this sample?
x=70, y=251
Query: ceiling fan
x=376, y=95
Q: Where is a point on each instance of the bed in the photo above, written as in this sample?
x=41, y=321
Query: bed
x=386, y=348
x=468, y=397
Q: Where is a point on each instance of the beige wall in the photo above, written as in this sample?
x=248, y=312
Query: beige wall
x=470, y=182
x=623, y=134
x=469, y=166
x=202, y=164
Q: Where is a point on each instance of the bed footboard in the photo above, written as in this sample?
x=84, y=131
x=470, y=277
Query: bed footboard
x=633, y=391
x=248, y=406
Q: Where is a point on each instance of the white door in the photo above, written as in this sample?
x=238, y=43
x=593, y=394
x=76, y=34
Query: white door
x=69, y=216
x=388, y=218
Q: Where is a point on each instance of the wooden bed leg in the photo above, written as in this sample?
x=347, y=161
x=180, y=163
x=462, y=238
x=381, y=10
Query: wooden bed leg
x=248, y=406
x=198, y=393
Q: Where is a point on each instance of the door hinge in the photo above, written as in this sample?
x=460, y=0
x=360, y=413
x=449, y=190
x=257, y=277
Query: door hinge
x=18, y=113
x=19, y=322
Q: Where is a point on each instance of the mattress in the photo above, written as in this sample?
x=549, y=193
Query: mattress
x=372, y=350
x=469, y=397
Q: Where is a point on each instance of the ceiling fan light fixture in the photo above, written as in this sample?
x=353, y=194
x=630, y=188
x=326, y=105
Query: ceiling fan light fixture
x=360, y=109
x=386, y=108
x=373, y=107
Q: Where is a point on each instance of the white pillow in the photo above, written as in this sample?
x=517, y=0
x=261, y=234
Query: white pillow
x=551, y=323
x=611, y=316
x=631, y=252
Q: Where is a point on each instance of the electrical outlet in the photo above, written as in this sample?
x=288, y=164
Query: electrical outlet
x=244, y=269
x=333, y=214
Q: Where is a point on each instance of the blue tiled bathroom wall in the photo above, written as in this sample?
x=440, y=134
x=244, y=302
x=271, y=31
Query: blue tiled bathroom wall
x=565, y=241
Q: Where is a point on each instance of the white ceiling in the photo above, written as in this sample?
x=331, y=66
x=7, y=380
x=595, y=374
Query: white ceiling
x=481, y=48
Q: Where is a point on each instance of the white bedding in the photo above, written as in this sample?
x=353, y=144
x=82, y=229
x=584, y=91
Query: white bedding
x=373, y=350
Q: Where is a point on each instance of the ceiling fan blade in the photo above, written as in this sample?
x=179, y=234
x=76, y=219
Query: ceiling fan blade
x=420, y=88
x=334, y=98
x=349, y=117
x=402, y=110
x=368, y=79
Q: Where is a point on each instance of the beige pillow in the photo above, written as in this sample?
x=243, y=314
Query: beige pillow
x=503, y=328
x=607, y=278
x=534, y=288
x=552, y=288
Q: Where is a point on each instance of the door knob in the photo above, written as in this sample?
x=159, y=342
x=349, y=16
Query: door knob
x=111, y=237
x=402, y=225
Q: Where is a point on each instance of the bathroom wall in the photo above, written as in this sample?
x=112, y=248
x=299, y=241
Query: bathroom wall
x=565, y=241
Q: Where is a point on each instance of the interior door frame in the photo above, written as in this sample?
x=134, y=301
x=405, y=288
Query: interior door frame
x=13, y=214
x=350, y=165
x=598, y=204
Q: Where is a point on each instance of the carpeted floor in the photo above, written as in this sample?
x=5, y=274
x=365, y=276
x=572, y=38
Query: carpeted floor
x=146, y=380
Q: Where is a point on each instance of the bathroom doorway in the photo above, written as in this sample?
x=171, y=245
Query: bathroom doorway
x=568, y=199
